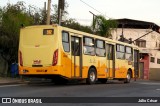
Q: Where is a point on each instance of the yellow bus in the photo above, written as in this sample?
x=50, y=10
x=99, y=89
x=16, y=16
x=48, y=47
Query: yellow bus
x=63, y=54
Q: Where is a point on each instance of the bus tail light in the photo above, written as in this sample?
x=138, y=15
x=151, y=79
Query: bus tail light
x=55, y=58
x=20, y=58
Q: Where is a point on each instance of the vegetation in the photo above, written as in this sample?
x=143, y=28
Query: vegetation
x=70, y=23
x=11, y=18
x=103, y=27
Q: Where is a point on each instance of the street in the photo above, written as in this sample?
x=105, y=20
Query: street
x=111, y=89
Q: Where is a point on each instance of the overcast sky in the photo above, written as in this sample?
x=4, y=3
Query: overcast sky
x=146, y=10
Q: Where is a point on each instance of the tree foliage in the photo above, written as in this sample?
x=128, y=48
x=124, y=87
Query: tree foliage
x=71, y=23
x=103, y=27
x=11, y=18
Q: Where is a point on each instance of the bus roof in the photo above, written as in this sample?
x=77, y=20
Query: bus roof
x=83, y=33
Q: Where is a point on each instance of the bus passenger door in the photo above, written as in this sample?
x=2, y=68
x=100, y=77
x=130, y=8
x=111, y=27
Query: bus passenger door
x=76, y=56
x=110, y=51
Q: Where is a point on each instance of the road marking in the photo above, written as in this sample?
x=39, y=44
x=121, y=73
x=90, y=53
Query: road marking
x=158, y=89
x=2, y=86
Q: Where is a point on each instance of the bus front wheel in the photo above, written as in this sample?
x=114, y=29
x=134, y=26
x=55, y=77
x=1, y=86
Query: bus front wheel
x=92, y=76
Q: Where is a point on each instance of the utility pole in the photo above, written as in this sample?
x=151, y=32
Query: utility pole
x=93, y=15
x=45, y=7
x=61, y=4
x=122, y=36
x=45, y=14
x=122, y=30
x=48, y=12
x=93, y=20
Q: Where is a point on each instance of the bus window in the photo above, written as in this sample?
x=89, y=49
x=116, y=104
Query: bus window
x=100, y=48
x=120, y=52
x=128, y=54
x=65, y=41
x=88, y=46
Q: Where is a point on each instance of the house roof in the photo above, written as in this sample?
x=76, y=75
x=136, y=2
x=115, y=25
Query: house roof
x=137, y=24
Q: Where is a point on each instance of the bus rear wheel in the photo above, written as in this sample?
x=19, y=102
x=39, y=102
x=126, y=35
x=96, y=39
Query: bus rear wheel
x=128, y=77
x=92, y=76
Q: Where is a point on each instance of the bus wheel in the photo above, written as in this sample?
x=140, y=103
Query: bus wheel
x=92, y=76
x=128, y=79
x=103, y=80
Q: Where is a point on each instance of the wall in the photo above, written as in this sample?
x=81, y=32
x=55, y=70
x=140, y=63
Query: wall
x=154, y=74
x=152, y=38
x=151, y=70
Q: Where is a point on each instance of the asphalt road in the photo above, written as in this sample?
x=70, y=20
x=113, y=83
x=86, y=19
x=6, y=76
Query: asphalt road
x=111, y=89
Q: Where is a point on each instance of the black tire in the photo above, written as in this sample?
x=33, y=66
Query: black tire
x=128, y=77
x=103, y=80
x=92, y=76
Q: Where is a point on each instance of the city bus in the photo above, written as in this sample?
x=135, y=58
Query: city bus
x=63, y=54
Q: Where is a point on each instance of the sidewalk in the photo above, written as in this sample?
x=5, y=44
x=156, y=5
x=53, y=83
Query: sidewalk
x=9, y=81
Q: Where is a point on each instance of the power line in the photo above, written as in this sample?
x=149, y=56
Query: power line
x=93, y=8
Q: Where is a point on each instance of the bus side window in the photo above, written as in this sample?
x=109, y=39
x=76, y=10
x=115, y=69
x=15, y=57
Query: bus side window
x=88, y=46
x=65, y=41
x=128, y=55
x=120, y=51
x=100, y=48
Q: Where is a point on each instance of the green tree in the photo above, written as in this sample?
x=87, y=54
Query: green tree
x=54, y=16
x=11, y=18
x=103, y=27
x=69, y=22
x=39, y=15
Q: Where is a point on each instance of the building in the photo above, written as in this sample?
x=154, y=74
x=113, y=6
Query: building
x=145, y=35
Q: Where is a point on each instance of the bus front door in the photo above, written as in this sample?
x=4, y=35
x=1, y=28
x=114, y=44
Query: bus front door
x=76, y=56
x=110, y=60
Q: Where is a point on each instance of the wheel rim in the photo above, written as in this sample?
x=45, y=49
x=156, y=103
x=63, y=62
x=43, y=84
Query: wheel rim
x=92, y=76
